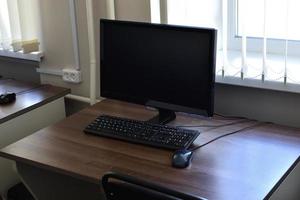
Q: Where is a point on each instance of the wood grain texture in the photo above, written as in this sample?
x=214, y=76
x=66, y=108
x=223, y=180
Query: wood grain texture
x=242, y=166
x=29, y=97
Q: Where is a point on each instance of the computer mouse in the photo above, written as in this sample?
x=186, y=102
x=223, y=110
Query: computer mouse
x=182, y=158
x=7, y=98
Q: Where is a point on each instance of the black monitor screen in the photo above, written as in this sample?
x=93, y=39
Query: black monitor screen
x=164, y=66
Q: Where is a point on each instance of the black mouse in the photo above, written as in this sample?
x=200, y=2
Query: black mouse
x=182, y=158
x=7, y=98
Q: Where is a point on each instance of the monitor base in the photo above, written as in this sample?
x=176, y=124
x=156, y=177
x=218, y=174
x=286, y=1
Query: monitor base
x=164, y=116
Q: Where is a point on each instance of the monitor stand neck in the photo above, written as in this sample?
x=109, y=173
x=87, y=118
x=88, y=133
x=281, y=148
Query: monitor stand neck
x=164, y=116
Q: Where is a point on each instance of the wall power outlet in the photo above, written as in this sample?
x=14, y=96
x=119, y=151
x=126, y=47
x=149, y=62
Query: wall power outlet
x=72, y=75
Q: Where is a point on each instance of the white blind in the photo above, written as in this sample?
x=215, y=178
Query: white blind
x=193, y=12
x=19, y=20
x=263, y=23
x=257, y=39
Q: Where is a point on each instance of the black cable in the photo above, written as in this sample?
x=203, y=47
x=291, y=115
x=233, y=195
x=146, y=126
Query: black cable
x=5, y=79
x=31, y=89
x=227, y=134
x=230, y=117
x=25, y=91
x=213, y=126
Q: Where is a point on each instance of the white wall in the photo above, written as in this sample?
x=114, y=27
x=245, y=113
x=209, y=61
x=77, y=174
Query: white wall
x=133, y=10
x=26, y=70
x=265, y=105
x=58, y=37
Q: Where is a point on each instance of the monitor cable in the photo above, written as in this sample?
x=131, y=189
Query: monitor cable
x=228, y=117
x=243, y=120
x=27, y=91
x=230, y=133
x=9, y=97
x=3, y=79
x=30, y=90
x=213, y=126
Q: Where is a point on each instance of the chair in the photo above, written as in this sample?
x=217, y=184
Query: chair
x=123, y=187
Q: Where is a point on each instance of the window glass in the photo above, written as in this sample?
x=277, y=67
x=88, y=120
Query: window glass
x=281, y=18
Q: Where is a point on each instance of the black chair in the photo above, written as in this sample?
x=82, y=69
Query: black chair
x=123, y=187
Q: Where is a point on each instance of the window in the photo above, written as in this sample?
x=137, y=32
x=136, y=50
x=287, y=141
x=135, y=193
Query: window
x=192, y=12
x=258, y=40
x=281, y=18
x=187, y=12
x=5, y=32
x=19, y=25
x=263, y=45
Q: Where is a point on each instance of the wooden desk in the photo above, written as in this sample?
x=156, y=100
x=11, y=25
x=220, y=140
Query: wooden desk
x=246, y=165
x=36, y=107
x=29, y=97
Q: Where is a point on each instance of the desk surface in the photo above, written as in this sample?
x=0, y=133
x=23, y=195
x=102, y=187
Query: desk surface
x=246, y=165
x=29, y=97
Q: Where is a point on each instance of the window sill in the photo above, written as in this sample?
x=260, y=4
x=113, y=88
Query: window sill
x=255, y=83
x=34, y=56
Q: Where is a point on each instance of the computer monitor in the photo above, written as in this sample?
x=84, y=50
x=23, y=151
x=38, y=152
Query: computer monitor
x=171, y=68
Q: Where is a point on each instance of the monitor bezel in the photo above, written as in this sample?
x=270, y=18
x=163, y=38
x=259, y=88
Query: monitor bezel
x=152, y=102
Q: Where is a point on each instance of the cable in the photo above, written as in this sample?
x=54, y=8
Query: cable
x=220, y=70
x=276, y=79
x=230, y=117
x=294, y=81
x=227, y=134
x=213, y=126
x=252, y=77
x=2, y=79
x=31, y=89
x=235, y=74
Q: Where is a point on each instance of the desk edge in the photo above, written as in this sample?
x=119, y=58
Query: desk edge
x=30, y=108
x=277, y=185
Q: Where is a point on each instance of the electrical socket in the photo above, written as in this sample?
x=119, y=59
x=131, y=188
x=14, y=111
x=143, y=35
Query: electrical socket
x=72, y=75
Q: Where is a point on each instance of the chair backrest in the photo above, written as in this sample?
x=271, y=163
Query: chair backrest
x=123, y=187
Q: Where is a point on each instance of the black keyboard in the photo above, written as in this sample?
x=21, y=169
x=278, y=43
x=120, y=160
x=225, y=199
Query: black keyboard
x=142, y=132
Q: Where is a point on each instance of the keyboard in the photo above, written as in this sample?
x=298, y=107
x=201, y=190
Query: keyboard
x=141, y=132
